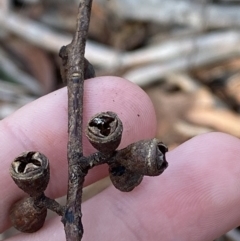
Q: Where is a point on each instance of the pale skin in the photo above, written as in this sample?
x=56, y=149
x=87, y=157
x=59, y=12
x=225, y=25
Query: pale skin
x=196, y=198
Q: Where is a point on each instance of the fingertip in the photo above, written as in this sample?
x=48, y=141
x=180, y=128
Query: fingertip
x=204, y=177
x=214, y=142
x=42, y=126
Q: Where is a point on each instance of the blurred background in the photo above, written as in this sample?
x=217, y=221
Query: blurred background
x=184, y=53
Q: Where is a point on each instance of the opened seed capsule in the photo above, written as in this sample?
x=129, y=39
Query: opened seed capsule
x=30, y=171
x=104, y=131
x=129, y=165
x=145, y=157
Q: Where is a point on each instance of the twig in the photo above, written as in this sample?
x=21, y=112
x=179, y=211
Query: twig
x=73, y=62
x=43, y=201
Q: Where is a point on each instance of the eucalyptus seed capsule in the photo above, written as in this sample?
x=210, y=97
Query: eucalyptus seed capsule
x=130, y=164
x=144, y=157
x=26, y=217
x=104, y=131
x=30, y=171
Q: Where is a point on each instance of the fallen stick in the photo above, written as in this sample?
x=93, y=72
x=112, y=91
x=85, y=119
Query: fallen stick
x=104, y=56
x=199, y=15
x=221, y=120
x=46, y=38
x=189, y=45
x=149, y=73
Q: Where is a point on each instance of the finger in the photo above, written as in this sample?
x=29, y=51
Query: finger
x=42, y=126
x=197, y=198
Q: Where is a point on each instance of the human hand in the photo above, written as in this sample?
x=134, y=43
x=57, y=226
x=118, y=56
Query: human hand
x=196, y=198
